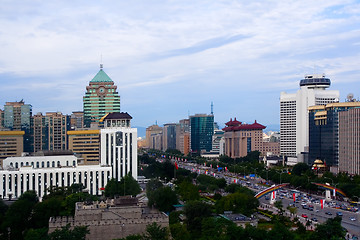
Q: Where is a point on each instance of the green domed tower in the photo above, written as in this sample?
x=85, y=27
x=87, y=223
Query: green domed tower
x=101, y=97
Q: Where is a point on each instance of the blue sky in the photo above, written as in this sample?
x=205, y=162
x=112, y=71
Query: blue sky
x=173, y=58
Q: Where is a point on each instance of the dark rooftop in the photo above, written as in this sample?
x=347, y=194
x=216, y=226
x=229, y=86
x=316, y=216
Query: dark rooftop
x=117, y=115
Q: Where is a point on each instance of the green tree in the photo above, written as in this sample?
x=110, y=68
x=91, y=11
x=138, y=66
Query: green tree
x=163, y=199
x=237, y=203
x=65, y=233
x=195, y=212
x=37, y=234
x=127, y=186
x=179, y=232
x=155, y=232
x=17, y=218
x=279, y=206
x=300, y=168
x=331, y=229
x=280, y=232
x=215, y=228
x=188, y=191
x=68, y=203
x=3, y=209
x=42, y=211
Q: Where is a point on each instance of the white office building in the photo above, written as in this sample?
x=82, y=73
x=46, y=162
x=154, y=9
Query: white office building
x=39, y=173
x=119, y=145
x=294, y=117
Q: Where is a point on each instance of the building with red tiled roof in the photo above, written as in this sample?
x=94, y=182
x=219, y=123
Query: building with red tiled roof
x=240, y=139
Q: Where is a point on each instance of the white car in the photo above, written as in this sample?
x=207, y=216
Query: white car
x=352, y=219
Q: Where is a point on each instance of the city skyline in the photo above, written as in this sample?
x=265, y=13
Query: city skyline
x=172, y=59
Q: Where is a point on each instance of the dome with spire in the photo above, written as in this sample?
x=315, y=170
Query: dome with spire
x=101, y=76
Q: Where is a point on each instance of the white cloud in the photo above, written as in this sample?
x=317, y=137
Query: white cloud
x=259, y=46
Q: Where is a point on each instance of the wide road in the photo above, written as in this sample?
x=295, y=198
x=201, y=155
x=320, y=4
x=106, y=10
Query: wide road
x=352, y=226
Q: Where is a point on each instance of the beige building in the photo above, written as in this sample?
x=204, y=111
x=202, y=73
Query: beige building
x=85, y=143
x=349, y=141
x=152, y=130
x=77, y=120
x=1, y=119
x=240, y=139
x=112, y=219
x=183, y=136
x=58, y=125
x=271, y=147
x=11, y=144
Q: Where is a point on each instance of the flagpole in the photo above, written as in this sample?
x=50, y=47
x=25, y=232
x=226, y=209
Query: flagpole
x=175, y=170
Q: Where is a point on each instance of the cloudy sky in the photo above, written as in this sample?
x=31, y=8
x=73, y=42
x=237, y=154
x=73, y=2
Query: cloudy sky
x=173, y=58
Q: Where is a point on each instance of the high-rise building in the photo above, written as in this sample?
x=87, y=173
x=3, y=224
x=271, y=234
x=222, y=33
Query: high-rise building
x=17, y=116
x=217, y=147
x=11, y=144
x=119, y=145
x=49, y=131
x=201, y=132
x=151, y=131
x=183, y=136
x=40, y=133
x=294, y=118
x=101, y=97
x=349, y=141
x=169, y=136
x=240, y=139
x=85, y=143
x=326, y=140
x=1, y=118
x=58, y=124
x=77, y=120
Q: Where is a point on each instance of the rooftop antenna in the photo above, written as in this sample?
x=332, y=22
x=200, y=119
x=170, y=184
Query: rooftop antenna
x=212, y=108
x=156, y=122
x=101, y=64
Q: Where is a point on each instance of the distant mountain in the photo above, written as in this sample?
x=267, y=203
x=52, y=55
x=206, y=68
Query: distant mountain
x=272, y=127
x=141, y=131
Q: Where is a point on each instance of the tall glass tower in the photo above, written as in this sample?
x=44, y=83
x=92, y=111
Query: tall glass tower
x=202, y=130
x=17, y=116
x=101, y=97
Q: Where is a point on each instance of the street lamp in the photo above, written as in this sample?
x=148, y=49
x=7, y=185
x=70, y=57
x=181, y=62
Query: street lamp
x=280, y=175
x=254, y=170
x=267, y=171
x=244, y=169
x=330, y=179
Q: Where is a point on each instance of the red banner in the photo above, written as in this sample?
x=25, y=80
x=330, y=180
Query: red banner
x=322, y=203
x=294, y=197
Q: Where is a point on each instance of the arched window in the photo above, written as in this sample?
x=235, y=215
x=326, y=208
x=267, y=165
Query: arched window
x=53, y=164
x=37, y=165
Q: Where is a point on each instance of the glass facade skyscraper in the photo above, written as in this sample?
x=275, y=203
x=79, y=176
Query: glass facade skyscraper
x=324, y=131
x=202, y=130
x=17, y=116
x=101, y=97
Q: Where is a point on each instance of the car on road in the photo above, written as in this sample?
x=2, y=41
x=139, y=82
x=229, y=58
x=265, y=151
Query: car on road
x=304, y=215
x=328, y=213
x=352, y=219
x=314, y=219
x=339, y=214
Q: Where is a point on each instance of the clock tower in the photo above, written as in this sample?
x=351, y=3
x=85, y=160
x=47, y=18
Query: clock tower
x=101, y=98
